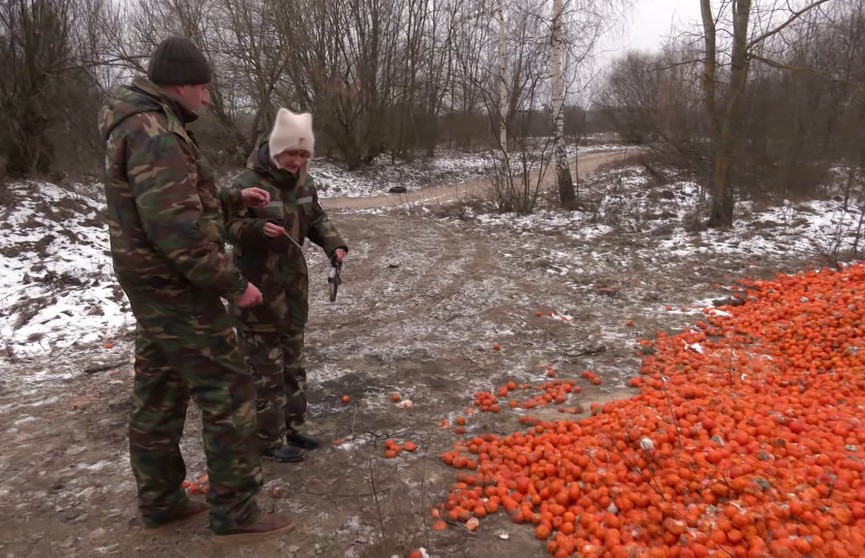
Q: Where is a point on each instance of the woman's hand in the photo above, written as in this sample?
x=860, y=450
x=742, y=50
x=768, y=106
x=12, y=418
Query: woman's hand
x=254, y=197
x=273, y=231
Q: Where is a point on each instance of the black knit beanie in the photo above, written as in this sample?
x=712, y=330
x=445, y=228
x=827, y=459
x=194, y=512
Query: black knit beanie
x=177, y=61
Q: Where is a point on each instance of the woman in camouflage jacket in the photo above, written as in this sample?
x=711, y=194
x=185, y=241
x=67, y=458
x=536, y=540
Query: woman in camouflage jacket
x=268, y=250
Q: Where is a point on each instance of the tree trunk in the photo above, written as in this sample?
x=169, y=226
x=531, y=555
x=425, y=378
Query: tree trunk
x=503, y=92
x=727, y=142
x=503, y=86
x=721, y=211
x=567, y=193
x=724, y=122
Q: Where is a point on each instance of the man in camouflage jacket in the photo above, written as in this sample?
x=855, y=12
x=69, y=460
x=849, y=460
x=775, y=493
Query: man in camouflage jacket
x=268, y=250
x=166, y=229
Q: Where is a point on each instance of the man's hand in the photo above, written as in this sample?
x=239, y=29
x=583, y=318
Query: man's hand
x=254, y=197
x=272, y=231
x=250, y=297
x=338, y=256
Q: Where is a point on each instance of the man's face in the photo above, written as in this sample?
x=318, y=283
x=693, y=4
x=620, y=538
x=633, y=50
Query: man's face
x=194, y=96
x=292, y=160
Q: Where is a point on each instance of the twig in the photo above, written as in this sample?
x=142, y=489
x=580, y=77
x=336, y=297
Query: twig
x=104, y=367
x=588, y=351
x=55, y=353
x=729, y=553
x=374, y=492
x=672, y=413
x=729, y=367
x=342, y=494
x=423, y=493
x=651, y=481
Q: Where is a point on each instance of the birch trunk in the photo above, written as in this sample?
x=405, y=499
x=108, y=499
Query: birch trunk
x=503, y=89
x=567, y=193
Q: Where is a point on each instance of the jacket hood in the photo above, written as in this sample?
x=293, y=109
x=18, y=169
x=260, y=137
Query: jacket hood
x=142, y=96
x=260, y=161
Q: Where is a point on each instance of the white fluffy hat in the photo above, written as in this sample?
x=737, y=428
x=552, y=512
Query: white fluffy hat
x=291, y=132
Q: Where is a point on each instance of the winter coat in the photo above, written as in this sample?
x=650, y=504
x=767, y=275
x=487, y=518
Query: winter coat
x=277, y=265
x=165, y=214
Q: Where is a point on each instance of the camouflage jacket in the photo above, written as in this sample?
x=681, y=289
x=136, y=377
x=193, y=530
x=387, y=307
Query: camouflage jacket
x=277, y=265
x=165, y=217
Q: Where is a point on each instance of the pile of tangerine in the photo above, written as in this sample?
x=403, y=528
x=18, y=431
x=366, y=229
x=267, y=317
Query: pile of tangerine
x=747, y=439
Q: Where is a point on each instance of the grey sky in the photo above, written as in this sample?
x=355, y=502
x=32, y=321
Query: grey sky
x=649, y=22
x=644, y=27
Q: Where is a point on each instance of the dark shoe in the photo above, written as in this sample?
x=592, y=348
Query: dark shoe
x=302, y=441
x=284, y=454
x=176, y=519
x=268, y=525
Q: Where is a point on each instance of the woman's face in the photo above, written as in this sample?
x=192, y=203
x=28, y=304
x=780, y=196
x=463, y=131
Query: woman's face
x=292, y=160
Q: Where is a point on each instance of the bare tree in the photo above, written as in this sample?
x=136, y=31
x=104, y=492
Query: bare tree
x=436, y=79
x=656, y=102
x=472, y=29
x=769, y=94
x=723, y=102
x=380, y=75
x=838, y=52
x=253, y=59
x=35, y=54
x=344, y=61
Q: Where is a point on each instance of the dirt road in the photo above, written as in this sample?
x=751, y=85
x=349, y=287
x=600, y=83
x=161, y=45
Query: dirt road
x=467, y=190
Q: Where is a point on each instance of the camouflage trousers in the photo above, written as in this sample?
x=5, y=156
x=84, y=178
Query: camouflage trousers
x=277, y=364
x=183, y=352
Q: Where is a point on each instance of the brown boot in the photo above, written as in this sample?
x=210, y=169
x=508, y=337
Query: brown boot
x=175, y=519
x=268, y=525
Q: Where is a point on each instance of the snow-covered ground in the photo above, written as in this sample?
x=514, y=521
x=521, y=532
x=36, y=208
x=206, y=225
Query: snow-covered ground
x=624, y=203
x=57, y=289
x=448, y=168
x=58, y=286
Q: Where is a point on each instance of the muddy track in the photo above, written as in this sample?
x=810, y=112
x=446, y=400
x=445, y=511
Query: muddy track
x=467, y=190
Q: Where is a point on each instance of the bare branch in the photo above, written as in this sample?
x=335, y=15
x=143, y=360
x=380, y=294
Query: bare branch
x=806, y=69
x=793, y=17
